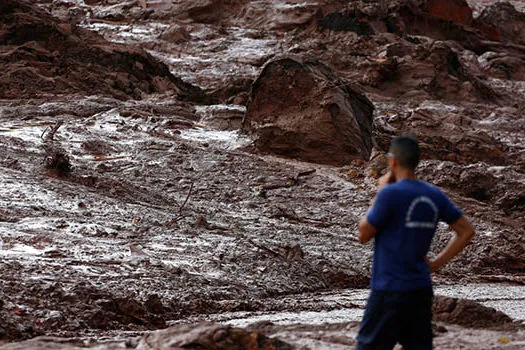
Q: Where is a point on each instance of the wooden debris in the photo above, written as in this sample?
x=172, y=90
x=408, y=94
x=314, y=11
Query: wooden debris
x=187, y=198
x=56, y=159
x=291, y=181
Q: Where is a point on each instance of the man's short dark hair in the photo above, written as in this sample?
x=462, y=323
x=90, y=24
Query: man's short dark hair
x=406, y=150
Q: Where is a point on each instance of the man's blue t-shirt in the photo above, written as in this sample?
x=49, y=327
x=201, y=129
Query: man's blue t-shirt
x=406, y=214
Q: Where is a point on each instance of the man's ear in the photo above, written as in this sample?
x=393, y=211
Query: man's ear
x=392, y=162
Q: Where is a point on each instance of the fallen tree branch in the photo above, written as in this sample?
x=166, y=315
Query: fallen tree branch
x=266, y=249
x=187, y=198
x=292, y=181
x=51, y=134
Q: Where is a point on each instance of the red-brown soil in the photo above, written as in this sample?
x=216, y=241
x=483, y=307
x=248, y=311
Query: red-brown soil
x=168, y=216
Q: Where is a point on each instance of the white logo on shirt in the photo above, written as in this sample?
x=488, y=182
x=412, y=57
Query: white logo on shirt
x=421, y=224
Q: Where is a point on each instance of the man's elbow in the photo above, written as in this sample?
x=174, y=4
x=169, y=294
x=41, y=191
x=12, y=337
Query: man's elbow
x=362, y=239
x=470, y=234
x=365, y=234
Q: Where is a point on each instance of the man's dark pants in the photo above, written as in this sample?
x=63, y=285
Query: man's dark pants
x=392, y=317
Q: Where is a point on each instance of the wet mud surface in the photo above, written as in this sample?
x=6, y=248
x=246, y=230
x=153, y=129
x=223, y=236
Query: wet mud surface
x=166, y=214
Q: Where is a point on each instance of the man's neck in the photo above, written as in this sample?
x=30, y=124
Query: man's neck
x=404, y=174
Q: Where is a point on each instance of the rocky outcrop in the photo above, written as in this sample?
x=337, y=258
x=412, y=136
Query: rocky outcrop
x=502, y=21
x=300, y=109
x=40, y=55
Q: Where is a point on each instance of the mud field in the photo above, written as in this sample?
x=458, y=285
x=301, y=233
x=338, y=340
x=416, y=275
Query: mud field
x=150, y=198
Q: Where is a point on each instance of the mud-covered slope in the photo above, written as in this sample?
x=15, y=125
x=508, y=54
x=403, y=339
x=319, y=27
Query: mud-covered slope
x=169, y=215
x=40, y=55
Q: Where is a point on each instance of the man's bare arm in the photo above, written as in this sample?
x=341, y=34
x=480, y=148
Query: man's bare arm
x=366, y=231
x=463, y=235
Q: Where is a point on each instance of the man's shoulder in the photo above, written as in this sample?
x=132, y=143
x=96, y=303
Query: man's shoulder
x=389, y=190
x=433, y=189
x=417, y=188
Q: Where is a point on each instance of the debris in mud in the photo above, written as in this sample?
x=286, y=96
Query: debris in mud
x=467, y=313
x=478, y=181
x=205, y=336
x=222, y=117
x=448, y=136
x=41, y=55
x=176, y=34
x=503, y=65
x=300, y=109
x=344, y=21
x=435, y=68
x=56, y=158
x=210, y=336
x=82, y=306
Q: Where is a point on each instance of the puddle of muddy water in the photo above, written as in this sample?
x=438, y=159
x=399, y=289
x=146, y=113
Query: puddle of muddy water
x=226, y=139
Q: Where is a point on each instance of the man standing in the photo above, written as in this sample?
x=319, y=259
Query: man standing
x=403, y=219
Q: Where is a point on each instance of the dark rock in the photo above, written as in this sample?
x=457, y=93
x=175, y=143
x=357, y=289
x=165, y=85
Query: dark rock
x=467, y=313
x=348, y=22
x=154, y=304
x=300, y=109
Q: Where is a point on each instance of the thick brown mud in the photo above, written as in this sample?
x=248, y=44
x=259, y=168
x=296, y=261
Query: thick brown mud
x=131, y=201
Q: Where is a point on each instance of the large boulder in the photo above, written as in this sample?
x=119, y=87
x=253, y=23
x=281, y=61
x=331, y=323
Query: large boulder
x=300, y=109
